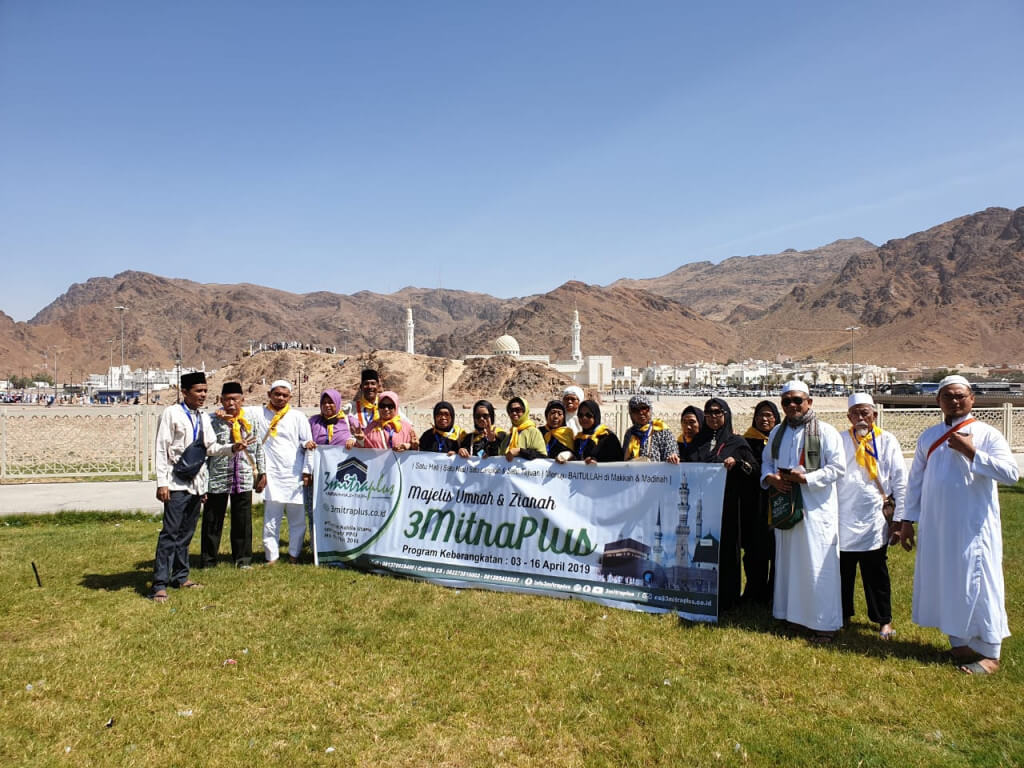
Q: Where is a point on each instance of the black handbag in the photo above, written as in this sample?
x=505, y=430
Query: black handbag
x=192, y=460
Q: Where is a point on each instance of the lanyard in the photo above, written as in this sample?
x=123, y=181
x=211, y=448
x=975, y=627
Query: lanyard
x=193, y=422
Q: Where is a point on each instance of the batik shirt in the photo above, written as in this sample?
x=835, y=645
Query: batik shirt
x=233, y=474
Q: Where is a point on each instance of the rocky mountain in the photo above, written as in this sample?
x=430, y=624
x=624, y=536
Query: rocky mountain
x=213, y=323
x=744, y=287
x=636, y=327
x=946, y=295
x=951, y=294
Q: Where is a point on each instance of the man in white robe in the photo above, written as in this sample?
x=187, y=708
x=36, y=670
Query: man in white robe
x=807, y=555
x=952, y=495
x=284, y=433
x=874, y=469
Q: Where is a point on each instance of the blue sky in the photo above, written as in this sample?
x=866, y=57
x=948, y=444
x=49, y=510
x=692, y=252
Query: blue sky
x=497, y=147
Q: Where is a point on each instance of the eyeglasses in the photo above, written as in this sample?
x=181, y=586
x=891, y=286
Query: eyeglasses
x=481, y=416
x=792, y=401
x=585, y=415
x=955, y=395
x=714, y=412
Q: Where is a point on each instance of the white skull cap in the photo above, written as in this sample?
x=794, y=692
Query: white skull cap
x=795, y=385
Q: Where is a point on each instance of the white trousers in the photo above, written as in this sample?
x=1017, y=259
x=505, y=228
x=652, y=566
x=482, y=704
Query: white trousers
x=273, y=512
x=976, y=644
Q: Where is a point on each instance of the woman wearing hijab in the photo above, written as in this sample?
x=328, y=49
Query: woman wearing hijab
x=330, y=427
x=524, y=440
x=445, y=435
x=692, y=435
x=572, y=396
x=756, y=538
x=484, y=441
x=594, y=442
x=389, y=431
x=647, y=439
x=557, y=437
x=722, y=446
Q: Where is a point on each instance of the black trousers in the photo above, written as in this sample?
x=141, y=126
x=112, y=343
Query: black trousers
x=758, y=541
x=213, y=527
x=181, y=514
x=874, y=572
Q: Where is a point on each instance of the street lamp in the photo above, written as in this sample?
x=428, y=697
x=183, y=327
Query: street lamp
x=110, y=363
x=853, y=347
x=122, y=310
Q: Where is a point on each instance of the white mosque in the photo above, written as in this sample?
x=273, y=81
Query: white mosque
x=593, y=371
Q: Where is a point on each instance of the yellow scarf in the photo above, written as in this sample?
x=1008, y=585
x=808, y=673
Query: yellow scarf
x=238, y=423
x=867, y=450
x=635, y=445
x=272, y=429
x=564, y=435
x=455, y=433
x=524, y=423
x=584, y=437
x=756, y=434
x=330, y=428
x=394, y=422
x=362, y=405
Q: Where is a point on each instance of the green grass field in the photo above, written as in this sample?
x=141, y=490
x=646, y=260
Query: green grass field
x=304, y=666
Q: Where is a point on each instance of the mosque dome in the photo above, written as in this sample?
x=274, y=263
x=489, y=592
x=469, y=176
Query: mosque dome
x=506, y=345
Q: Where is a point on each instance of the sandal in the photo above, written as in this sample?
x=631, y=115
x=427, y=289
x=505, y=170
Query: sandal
x=160, y=596
x=190, y=585
x=977, y=668
x=823, y=638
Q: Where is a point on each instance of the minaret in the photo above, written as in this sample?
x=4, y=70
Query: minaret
x=410, y=344
x=700, y=517
x=576, y=354
x=683, y=528
x=659, y=551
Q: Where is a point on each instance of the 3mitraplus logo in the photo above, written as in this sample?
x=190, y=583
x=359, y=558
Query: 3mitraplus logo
x=351, y=479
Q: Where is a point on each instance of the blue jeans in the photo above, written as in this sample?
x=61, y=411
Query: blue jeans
x=181, y=514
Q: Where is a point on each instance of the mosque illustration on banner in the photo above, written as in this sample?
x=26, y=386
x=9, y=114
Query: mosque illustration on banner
x=630, y=561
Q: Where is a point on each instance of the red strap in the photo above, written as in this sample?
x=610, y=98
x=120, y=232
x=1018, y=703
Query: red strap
x=945, y=437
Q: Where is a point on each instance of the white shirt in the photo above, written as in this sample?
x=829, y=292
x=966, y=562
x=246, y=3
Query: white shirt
x=862, y=526
x=286, y=456
x=176, y=430
x=807, y=582
x=958, y=574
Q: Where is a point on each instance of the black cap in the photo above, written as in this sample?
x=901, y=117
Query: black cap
x=189, y=380
x=231, y=388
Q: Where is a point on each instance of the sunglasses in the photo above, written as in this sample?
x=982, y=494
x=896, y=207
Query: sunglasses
x=386, y=406
x=792, y=401
x=714, y=412
x=585, y=415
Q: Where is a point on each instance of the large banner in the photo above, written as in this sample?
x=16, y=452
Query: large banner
x=632, y=535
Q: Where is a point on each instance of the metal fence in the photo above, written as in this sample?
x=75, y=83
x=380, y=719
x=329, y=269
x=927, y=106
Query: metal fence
x=110, y=442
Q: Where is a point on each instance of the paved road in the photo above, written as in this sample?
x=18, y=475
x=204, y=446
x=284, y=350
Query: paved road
x=112, y=496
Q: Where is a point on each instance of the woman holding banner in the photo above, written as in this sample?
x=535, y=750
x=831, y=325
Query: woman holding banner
x=594, y=443
x=484, y=441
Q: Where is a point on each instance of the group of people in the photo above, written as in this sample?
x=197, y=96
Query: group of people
x=852, y=490
x=851, y=485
